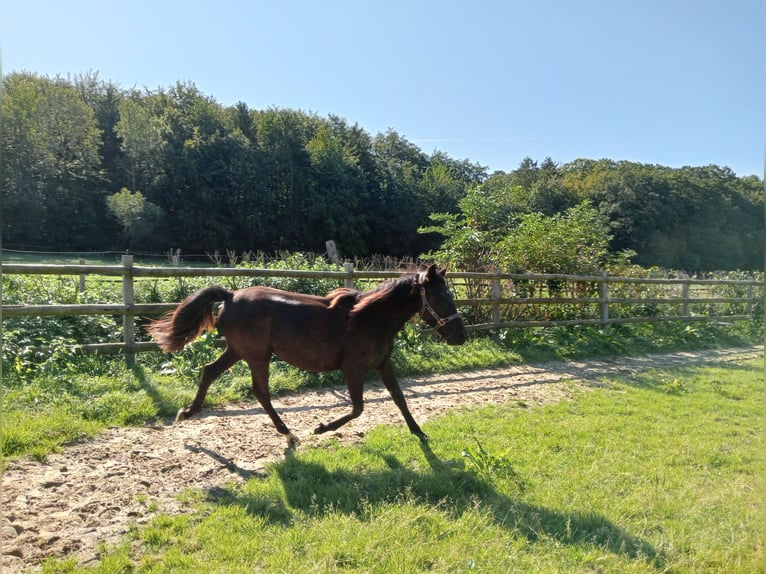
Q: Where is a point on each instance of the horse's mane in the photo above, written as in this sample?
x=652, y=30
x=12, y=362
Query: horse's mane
x=393, y=289
x=343, y=297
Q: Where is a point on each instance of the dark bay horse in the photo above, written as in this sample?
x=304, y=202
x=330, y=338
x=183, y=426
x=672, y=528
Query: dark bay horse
x=347, y=330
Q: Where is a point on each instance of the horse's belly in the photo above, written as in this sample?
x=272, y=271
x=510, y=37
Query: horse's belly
x=315, y=357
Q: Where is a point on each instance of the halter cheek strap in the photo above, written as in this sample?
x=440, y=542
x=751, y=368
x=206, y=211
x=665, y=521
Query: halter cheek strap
x=427, y=306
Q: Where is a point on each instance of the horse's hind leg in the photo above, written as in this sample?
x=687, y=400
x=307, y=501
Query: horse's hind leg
x=355, y=386
x=386, y=372
x=210, y=372
x=259, y=370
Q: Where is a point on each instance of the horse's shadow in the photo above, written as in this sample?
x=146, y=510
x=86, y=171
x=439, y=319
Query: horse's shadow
x=314, y=489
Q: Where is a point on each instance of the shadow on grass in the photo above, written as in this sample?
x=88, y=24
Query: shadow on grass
x=315, y=490
x=165, y=408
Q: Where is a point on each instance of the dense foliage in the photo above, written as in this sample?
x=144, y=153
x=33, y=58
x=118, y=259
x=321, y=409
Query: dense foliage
x=90, y=166
x=577, y=217
x=573, y=242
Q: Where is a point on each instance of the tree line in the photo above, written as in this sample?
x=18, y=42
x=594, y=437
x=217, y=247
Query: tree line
x=89, y=165
x=587, y=212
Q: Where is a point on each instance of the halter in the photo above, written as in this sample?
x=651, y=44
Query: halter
x=427, y=306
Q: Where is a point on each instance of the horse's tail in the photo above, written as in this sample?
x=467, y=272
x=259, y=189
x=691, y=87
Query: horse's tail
x=189, y=320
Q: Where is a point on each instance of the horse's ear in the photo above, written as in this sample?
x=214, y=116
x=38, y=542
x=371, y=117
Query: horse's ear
x=431, y=271
x=443, y=272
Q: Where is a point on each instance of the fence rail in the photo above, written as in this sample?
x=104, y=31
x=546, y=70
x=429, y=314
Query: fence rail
x=494, y=299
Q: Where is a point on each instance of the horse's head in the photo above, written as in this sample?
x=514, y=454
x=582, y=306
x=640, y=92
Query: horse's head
x=438, y=307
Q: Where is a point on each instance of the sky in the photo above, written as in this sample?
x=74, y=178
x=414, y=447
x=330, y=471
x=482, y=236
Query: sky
x=668, y=82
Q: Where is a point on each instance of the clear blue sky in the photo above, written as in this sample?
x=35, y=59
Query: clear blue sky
x=672, y=82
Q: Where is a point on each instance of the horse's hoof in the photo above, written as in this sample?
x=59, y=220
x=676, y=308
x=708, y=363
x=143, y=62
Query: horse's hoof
x=292, y=440
x=182, y=415
x=320, y=429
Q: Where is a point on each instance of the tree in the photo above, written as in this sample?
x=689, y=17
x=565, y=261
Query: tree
x=282, y=136
x=104, y=99
x=397, y=205
x=137, y=216
x=575, y=242
x=697, y=219
x=52, y=185
x=639, y=204
x=446, y=181
x=142, y=142
x=336, y=192
x=472, y=237
x=238, y=178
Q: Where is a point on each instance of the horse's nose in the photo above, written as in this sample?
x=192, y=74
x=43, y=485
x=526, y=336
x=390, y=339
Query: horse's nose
x=458, y=338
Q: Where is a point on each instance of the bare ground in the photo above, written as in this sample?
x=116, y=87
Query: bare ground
x=93, y=492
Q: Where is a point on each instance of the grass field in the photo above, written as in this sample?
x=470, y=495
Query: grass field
x=657, y=472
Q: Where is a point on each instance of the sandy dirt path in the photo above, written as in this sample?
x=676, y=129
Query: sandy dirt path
x=93, y=492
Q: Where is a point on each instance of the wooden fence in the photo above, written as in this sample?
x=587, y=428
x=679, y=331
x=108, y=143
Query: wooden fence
x=495, y=300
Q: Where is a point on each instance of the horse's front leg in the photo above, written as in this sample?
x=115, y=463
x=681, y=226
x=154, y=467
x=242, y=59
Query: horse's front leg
x=386, y=372
x=355, y=384
x=210, y=373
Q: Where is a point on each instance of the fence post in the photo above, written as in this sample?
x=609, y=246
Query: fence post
x=603, y=302
x=348, y=267
x=496, y=294
x=128, y=325
x=82, y=277
x=750, y=299
x=685, y=299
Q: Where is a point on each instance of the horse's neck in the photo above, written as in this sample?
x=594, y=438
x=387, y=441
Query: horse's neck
x=397, y=313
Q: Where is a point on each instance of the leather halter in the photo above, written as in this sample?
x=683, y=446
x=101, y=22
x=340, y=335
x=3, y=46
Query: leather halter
x=427, y=306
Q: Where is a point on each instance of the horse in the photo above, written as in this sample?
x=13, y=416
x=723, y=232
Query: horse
x=347, y=330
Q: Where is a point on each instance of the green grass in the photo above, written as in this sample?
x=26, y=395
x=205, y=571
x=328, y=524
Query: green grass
x=658, y=472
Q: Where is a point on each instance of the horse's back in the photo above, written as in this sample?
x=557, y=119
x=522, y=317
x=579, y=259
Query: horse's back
x=261, y=293
x=305, y=330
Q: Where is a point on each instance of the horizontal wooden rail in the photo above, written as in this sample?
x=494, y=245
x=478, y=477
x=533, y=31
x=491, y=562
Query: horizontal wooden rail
x=139, y=271
x=92, y=309
x=612, y=321
x=609, y=310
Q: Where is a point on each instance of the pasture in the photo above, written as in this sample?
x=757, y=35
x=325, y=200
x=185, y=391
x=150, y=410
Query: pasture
x=652, y=471
x=645, y=472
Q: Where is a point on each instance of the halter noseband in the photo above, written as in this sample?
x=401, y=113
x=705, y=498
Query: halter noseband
x=427, y=306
